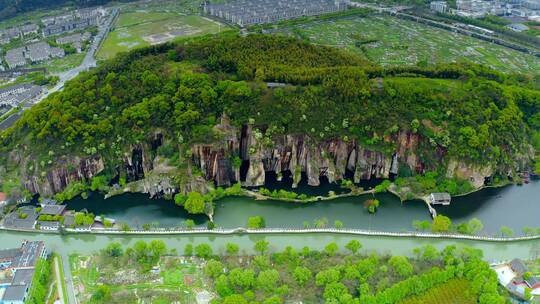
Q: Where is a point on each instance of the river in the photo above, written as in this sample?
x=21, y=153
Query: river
x=512, y=206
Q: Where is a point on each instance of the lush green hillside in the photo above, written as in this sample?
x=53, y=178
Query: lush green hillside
x=181, y=90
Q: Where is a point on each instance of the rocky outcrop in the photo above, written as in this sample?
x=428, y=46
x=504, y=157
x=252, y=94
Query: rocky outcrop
x=58, y=178
x=475, y=174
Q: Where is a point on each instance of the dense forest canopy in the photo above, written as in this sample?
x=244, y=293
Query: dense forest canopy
x=462, y=110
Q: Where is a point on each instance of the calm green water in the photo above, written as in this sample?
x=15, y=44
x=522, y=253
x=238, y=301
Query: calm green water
x=512, y=206
x=87, y=243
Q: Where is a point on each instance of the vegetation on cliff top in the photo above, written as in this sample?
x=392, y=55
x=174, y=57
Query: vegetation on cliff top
x=460, y=111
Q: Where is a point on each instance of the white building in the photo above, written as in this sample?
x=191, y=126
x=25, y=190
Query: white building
x=439, y=6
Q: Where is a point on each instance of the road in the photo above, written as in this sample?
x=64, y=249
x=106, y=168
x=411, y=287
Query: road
x=88, y=62
x=59, y=281
x=69, y=279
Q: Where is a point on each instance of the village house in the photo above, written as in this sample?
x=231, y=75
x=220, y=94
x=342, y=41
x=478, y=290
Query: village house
x=440, y=198
x=516, y=278
x=24, y=218
x=29, y=29
x=15, y=57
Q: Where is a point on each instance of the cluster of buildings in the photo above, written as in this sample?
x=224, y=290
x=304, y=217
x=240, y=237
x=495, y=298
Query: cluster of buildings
x=15, y=95
x=17, y=267
x=49, y=216
x=76, y=40
x=518, y=280
x=481, y=8
x=17, y=32
x=56, y=25
x=35, y=52
x=251, y=12
x=75, y=20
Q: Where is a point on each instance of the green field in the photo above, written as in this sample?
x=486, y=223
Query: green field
x=392, y=41
x=142, y=28
x=455, y=291
x=59, y=65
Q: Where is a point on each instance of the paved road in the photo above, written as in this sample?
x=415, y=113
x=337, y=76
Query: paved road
x=59, y=281
x=69, y=280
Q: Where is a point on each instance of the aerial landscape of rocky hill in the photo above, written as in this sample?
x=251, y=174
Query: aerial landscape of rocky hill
x=227, y=109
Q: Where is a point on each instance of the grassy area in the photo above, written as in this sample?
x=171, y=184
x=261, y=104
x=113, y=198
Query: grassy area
x=143, y=28
x=59, y=65
x=392, y=41
x=456, y=291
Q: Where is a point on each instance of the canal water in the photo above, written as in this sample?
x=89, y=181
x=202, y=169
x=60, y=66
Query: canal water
x=512, y=206
x=89, y=243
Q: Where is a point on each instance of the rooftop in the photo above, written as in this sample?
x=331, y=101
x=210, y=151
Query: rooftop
x=15, y=293
x=23, y=277
x=52, y=209
x=31, y=252
x=518, y=266
x=442, y=196
x=3, y=196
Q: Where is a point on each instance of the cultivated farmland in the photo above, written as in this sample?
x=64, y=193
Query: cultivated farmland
x=391, y=41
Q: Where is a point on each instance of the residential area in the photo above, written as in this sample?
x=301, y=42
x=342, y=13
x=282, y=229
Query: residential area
x=50, y=37
x=18, y=267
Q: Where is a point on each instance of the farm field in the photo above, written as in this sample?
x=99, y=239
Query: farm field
x=392, y=41
x=142, y=28
x=452, y=292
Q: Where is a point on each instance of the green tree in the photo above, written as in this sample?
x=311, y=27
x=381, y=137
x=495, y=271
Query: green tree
x=213, y=269
x=102, y=294
x=421, y=225
x=267, y=280
x=506, y=231
x=194, y=203
x=302, y=275
x=261, y=246
x=234, y=299
x=242, y=279
x=353, y=246
x=338, y=224
x=331, y=249
x=203, y=251
x=232, y=249
x=189, y=224
x=475, y=226
x=256, y=222
x=327, y=276
x=335, y=291
x=114, y=250
x=401, y=265
x=188, y=249
x=441, y=223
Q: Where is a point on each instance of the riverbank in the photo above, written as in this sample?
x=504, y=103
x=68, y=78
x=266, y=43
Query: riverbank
x=271, y=231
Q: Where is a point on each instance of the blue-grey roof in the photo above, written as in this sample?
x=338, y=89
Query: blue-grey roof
x=15, y=293
x=23, y=277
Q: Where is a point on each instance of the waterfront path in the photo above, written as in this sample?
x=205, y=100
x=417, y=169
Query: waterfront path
x=412, y=234
x=269, y=231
